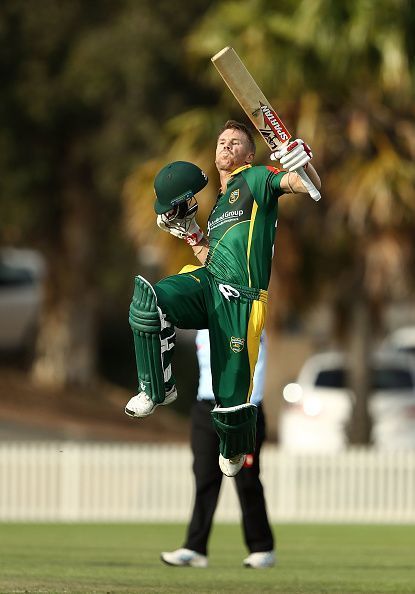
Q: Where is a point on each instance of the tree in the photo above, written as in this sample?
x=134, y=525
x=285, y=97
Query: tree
x=84, y=94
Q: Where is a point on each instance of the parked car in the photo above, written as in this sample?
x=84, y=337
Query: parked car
x=21, y=296
x=401, y=340
x=318, y=405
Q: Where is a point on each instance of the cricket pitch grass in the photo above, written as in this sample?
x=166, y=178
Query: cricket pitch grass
x=110, y=558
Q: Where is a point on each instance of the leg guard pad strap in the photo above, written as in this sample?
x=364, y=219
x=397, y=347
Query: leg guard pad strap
x=236, y=427
x=144, y=313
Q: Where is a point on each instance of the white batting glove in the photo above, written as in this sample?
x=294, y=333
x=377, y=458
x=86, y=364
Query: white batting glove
x=293, y=155
x=182, y=227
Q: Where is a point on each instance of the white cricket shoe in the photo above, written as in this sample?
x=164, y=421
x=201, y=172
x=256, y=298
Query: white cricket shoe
x=142, y=405
x=184, y=558
x=231, y=466
x=260, y=560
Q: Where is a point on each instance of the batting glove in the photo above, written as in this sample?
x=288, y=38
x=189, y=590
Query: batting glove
x=293, y=155
x=183, y=227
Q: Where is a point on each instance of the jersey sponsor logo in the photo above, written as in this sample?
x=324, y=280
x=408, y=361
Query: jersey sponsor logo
x=229, y=216
x=234, y=196
x=237, y=344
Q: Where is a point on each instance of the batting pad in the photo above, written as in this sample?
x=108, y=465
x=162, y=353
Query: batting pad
x=236, y=427
x=153, y=338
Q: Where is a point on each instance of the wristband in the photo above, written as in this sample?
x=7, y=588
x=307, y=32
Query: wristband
x=194, y=238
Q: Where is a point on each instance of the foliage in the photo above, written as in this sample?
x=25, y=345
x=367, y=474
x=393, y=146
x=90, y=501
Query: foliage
x=81, y=83
x=344, y=74
x=92, y=90
x=83, y=97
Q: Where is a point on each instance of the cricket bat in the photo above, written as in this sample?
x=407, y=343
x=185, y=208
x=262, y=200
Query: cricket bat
x=256, y=106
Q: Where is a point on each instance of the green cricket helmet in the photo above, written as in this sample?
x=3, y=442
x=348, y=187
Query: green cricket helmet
x=176, y=183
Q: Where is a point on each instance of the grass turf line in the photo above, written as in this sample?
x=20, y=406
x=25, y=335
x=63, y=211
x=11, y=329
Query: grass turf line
x=112, y=558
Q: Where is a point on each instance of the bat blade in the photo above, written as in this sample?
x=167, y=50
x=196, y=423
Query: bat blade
x=256, y=105
x=251, y=98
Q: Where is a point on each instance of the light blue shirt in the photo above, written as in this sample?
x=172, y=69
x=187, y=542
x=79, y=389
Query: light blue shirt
x=205, y=391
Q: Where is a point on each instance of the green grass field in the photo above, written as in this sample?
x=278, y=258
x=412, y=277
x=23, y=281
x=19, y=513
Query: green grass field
x=106, y=558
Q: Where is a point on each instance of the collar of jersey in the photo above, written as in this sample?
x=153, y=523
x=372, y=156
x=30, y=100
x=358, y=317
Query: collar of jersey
x=240, y=169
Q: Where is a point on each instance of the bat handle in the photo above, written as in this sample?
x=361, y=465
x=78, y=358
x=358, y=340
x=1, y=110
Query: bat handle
x=311, y=188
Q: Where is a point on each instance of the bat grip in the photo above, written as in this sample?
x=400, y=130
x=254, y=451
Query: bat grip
x=310, y=187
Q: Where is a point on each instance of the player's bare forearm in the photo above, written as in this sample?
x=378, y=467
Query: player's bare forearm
x=201, y=250
x=292, y=182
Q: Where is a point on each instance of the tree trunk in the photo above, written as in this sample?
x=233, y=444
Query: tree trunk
x=359, y=372
x=66, y=348
x=65, y=352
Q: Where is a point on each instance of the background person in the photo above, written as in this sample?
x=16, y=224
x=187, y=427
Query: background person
x=208, y=477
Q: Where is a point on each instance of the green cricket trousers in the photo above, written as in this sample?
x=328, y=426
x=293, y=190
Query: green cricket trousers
x=235, y=317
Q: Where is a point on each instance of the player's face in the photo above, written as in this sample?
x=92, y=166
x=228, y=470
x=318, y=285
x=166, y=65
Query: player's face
x=233, y=150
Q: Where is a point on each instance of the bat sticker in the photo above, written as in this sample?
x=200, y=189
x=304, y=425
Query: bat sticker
x=274, y=123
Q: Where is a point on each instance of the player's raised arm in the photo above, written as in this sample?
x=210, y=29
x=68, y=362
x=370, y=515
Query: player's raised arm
x=175, y=187
x=259, y=110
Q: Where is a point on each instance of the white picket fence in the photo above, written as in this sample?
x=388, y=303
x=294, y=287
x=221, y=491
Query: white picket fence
x=153, y=483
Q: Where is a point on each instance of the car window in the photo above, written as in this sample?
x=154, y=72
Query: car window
x=15, y=277
x=392, y=378
x=331, y=378
x=385, y=378
x=408, y=349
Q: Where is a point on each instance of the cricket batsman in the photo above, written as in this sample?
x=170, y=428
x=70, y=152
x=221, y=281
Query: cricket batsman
x=227, y=292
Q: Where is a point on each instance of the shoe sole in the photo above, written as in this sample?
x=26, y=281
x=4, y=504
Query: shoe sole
x=248, y=566
x=181, y=564
x=171, y=564
x=264, y=566
x=131, y=413
x=235, y=470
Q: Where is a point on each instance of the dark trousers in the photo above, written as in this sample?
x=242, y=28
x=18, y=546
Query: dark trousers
x=208, y=478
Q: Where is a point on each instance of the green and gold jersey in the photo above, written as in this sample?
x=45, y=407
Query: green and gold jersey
x=241, y=227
